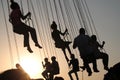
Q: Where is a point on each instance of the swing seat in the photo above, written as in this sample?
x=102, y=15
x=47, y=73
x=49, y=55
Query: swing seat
x=17, y=32
x=55, y=72
x=62, y=44
x=58, y=45
x=21, y=28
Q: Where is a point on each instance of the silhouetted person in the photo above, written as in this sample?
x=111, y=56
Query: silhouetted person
x=59, y=43
x=47, y=67
x=18, y=66
x=82, y=41
x=21, y=28
x=98, y=54
x=14, y=74
x=75, y=67
x=54, y=68
x=113, y=73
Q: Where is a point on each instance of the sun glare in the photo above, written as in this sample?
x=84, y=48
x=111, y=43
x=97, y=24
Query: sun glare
x=32, y=67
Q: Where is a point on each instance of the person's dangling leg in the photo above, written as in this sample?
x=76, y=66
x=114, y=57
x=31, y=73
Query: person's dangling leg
x=86, y=65
x=45, y=74
x=95, y=66
x=93, y=59
x=76, y=76
x=66, y=45
x=51, y=76
x=88, y=69
x=105, y=59
x=69, y=73
x=69, y=50
x=63, y=49
x=34, y=36
x=26, y=42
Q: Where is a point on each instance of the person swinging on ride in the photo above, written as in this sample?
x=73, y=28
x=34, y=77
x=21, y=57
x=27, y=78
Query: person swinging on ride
x=21, y=28
x=55, y=69
x=75, y=67
x=47, y=67
x=99, y=54
x=60, y=43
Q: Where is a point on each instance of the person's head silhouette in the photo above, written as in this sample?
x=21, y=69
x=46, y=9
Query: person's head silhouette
x=82, y=31
x=93, y=37
x=14, y=5
x=53, y=58
x=54, y=25
x=46, y=59
x=72, y=56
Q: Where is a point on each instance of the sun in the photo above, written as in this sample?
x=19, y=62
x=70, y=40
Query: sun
x=32, y=66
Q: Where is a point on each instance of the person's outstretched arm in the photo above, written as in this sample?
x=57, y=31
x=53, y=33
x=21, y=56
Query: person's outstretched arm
x=101, y=46
x=25, y=16
x=64, y=32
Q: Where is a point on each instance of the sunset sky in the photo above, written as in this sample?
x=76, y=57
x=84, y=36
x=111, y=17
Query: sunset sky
x=106, y=17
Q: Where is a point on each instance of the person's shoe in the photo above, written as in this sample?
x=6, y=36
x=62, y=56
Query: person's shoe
x=67, y=60
x=96, y=70
x=37, y=45
x=106, y=68
x=69, y=42
x=29, y=49
x=90, y=73
x=82, y=67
